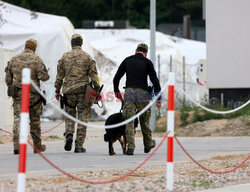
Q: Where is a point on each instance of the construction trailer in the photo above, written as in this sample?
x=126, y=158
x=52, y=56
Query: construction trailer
x=228, y=51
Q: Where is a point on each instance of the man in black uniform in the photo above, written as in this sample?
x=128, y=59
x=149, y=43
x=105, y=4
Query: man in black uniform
x=137, y=68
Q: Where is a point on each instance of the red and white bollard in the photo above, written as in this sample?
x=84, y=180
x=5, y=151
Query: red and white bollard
x=24, y=124
x=170, y=129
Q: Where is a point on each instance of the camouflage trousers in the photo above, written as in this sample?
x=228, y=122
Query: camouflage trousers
x=34, y=115
x=77, y=106
x=135, y=100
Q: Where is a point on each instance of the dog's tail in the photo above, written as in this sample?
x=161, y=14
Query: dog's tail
x=106, y=137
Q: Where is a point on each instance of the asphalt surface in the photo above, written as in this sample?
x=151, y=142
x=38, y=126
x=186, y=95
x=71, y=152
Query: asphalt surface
x=97, y=157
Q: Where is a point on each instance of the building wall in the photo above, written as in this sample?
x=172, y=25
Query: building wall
x=228, y=44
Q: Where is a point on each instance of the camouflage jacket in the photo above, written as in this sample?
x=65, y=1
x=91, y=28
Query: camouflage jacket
x=26, y=59
x=74, y=70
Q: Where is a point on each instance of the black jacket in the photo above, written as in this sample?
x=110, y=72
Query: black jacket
x=137, y=68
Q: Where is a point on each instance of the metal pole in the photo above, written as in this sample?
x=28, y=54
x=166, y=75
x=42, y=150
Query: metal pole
x=222, y=99
x=186, y=27
x=204, y=9
x=152, y=55
x=184, y=79
x=171, y=63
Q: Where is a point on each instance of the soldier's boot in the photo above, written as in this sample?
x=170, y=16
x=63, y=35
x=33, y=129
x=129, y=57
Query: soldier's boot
x=41, y=148
x=130, y=151
x=79, y=148
x=68, y=142
x=16, y=149
x=148, y=149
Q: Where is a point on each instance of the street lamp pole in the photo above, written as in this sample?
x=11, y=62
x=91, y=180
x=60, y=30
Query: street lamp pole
x=152, y=54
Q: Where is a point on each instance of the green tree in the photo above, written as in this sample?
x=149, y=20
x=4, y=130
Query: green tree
x=136, y=11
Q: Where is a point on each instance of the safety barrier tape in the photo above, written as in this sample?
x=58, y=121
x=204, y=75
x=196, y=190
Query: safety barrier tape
x=41, y=132
x=99, y=182
x=101, y=126
x=211, y=110
x=209, y=170
x=52, y=128
x=6, y=131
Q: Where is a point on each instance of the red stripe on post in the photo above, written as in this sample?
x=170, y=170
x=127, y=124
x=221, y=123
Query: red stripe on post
x=170, y=156
x=171, y=97
x=22, y=158
x=25, y=98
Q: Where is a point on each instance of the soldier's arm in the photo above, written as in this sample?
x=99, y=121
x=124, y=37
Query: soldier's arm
x=59, y=76
x=93, y=74
x=42, y=72
x=8, y=74
x=119, y=74
x=153, y=77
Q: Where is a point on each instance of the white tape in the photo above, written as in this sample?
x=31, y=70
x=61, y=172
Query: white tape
x=211, y=110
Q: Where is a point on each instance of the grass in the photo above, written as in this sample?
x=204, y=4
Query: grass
x=184, y=116
x=192, y=114
x=202, y=115
x=161, y=129
x=53, y=137
x=203, y=184
x=206, y=135
x=246, y=120
x=1, y=142
x=217, y=130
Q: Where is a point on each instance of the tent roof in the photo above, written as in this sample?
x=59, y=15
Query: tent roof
x=19, y=22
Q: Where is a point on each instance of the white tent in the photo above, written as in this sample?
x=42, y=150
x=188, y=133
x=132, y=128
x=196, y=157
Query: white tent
x=111, y=46
x=53, y=34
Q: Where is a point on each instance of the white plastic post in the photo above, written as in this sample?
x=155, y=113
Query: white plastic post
x=24, y=123
x=170, y=128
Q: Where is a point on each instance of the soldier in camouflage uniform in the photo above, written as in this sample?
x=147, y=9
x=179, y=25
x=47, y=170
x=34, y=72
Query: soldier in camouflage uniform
x=27, y=59
x=73, y=72
x=137, y=68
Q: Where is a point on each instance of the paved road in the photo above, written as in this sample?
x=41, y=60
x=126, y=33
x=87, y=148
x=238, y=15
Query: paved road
x=97, y=157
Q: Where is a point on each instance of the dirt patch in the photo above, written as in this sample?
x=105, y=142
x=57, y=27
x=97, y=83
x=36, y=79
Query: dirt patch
x=188, y=177
x=239, y=126
x=228, y=157
x=221, y=127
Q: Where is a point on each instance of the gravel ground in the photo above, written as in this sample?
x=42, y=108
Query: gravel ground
x=188, y=177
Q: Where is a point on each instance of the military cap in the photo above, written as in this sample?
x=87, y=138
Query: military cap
x=75, y=36
x=142, y=45
x=32, y=41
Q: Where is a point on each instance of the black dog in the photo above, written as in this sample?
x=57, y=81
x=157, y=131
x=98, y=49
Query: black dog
x=117, y=133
